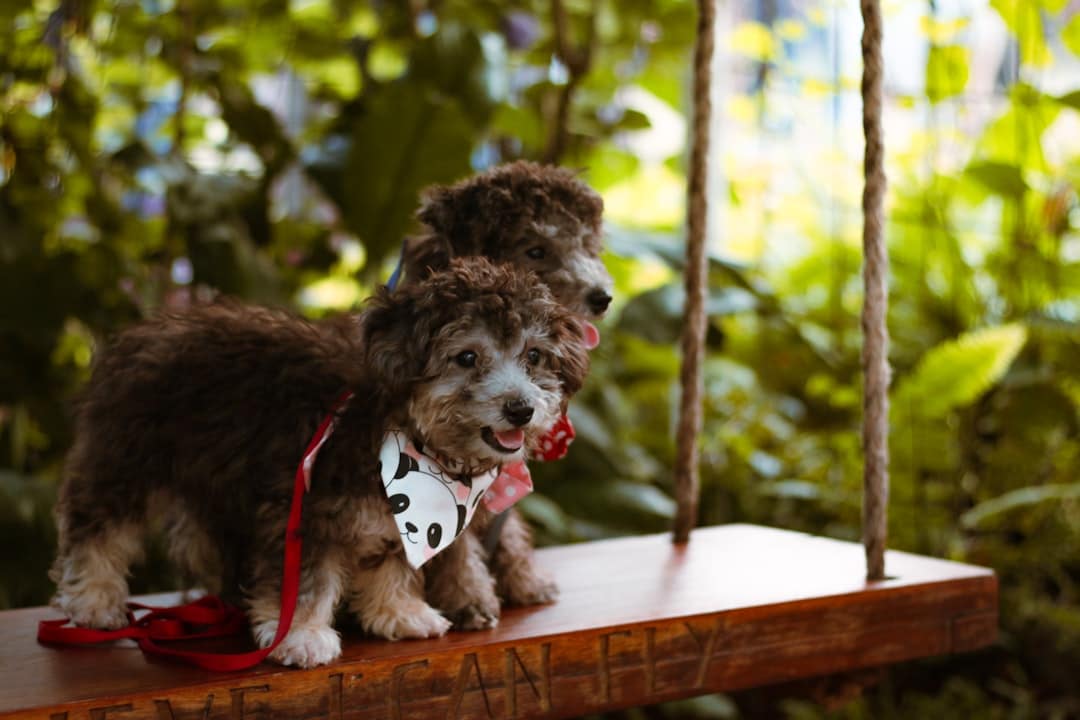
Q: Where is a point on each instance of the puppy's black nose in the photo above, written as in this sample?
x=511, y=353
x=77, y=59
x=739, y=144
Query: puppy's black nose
x=519, y=412
x=598, y=300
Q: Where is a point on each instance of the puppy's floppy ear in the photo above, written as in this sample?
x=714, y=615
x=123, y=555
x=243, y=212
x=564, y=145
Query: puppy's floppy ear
x=391, y=342
x=572, y=361
x=464, y=216
x=425, y=254
x=578, y=199
x=431, y=249
x=588, y=206
x=436, y=211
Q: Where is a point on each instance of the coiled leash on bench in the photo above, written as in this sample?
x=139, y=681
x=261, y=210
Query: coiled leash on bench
x=210, y=616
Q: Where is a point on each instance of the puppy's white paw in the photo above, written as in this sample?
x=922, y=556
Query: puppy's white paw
x=303, y=647
x=414, y=619
x=102, y=610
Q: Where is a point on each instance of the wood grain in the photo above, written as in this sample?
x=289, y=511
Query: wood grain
x=640, y=620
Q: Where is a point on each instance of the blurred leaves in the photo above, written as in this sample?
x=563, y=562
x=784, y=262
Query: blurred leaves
x=753, y=40
x=998, y=177
x=276, y=151
x=1070, y=35
x=1024, y=19
x=987, y=512
x=656, y=315
x=946, y=71
x=957, y=372
x=434, y=146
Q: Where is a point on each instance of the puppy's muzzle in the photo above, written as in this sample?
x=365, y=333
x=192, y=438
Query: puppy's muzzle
x=598, y=300
x=519, y=412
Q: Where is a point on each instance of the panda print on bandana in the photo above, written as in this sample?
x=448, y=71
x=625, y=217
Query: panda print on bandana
x=431, y=506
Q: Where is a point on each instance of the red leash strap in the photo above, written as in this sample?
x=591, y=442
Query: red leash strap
x=210, y=616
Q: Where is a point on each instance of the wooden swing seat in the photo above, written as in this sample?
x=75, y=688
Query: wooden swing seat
x=639, y=621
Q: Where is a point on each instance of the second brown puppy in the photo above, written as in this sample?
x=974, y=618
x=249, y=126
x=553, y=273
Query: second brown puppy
x=535, y=217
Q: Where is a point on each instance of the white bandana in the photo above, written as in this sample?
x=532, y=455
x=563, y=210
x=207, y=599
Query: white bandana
x=431, y=506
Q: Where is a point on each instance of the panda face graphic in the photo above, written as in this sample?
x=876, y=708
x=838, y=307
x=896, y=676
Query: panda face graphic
x=431, y=507
x=434, y=532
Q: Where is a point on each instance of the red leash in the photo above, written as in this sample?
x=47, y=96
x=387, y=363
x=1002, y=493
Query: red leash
x=210, y=616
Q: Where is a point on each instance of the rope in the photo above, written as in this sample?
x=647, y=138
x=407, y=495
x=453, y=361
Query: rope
x=875, y=303
x=693, y=337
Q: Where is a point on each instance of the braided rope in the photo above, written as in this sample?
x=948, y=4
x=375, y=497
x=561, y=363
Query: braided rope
x=693, y=336
x=875, y=303
x=875, y=274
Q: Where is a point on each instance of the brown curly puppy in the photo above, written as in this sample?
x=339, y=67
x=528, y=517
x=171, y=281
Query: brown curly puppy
x=207, y=413
x=537, y=217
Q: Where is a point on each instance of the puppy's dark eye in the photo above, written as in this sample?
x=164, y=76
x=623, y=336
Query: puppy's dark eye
x=536, y=253
x=466, y=359
x=533, y=356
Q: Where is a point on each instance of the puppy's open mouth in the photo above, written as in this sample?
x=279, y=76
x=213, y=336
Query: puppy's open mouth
x=504, y=441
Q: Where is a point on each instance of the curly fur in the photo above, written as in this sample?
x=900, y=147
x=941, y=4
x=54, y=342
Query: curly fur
x=536, y=217
x=512, y=214
x=207, y=412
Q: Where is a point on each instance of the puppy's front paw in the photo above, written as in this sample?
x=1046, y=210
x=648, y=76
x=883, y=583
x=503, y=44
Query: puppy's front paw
x=303, y=647
x=474, y=617
x=528, y=588
x=101, y=610
x=413, y=619
x=469, y=608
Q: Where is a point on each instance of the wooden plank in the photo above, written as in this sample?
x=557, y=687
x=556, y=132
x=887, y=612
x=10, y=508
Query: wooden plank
x=639, y=621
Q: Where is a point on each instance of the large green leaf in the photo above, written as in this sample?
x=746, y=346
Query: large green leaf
x=1016, y=136
x=1072, y=99
x=956, y=372
x=404, y=141
x=999, y=178
x=542, y=512
x=452, y=62
x=657, y=315
x=988, y=511
x=946, y=71
x=615, y=503
x=1024, y=19
x=1070, y=34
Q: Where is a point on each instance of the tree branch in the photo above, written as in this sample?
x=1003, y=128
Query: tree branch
x=577, y=60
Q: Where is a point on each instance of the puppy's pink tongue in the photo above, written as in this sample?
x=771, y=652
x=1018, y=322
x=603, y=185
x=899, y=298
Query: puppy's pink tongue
x=592, y=335
x=511, y=439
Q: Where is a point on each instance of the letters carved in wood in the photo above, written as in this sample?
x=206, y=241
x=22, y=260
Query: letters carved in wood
x=582, y=655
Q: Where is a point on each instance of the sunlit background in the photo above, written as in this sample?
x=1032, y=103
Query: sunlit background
x=156, y=152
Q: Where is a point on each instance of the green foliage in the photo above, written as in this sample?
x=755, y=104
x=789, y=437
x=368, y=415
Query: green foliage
x=956, y=372
x=152, y=154
x=1070, y=35
x=946, y=71
x=1021, y=499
